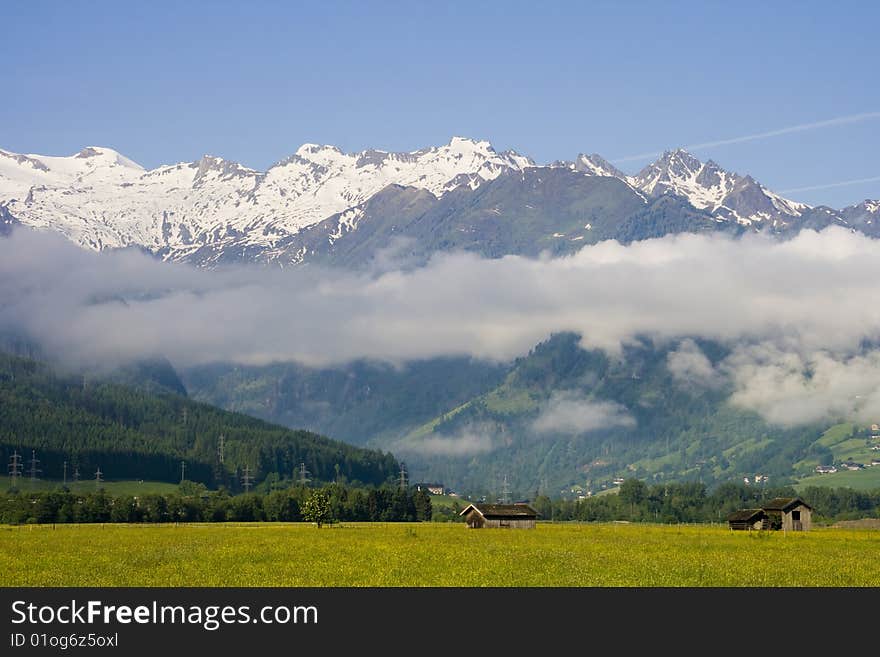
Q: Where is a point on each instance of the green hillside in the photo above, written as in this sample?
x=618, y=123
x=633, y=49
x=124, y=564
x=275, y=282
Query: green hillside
x=133, y=434
x=842, y=443
x=866, y=479
x=358, y=402
x=470, y=425
x=676, y=432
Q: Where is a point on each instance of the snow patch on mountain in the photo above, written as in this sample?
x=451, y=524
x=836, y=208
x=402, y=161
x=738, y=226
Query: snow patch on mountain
x=100, y=199
x=707, y=186
x=596, y=165
x=205, y=209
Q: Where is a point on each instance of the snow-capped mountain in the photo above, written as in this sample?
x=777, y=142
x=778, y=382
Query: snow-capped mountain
x=596, y=165
x=100, y=199
x=726, y=195
x=215, y=210
x=866, y=213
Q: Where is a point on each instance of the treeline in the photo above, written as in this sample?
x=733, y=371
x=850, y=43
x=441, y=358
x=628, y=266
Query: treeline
x=694, y=503
x=130, y=433
x=193, y=503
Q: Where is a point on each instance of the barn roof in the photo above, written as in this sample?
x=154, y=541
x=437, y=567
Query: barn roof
x=518, y=511
x=785, y=504
x=745, y=515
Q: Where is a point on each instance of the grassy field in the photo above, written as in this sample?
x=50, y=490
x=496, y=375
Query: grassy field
x=438, y=501
x=434, y=554
x=112, y=488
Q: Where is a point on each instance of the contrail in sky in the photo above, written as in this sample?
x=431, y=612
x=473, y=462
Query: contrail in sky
x=843, y=183
x=816, y=125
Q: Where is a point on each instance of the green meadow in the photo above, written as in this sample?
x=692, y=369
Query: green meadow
x=112, y=488
x=435, y=554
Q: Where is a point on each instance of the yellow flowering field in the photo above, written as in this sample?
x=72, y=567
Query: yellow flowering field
x=434, y=554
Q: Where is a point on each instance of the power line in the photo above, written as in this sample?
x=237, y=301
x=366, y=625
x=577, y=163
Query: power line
x=99, y=477
x=247, y=479
x=33, y=471
x=404, y=479
x=505, y=491
x=303, y=475
x=15, y=467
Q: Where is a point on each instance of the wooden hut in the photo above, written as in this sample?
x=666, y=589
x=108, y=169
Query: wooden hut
x=789, y=514
x=512, y=516
x=748, y=519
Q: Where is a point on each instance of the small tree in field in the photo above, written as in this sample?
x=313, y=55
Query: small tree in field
x=317, y=508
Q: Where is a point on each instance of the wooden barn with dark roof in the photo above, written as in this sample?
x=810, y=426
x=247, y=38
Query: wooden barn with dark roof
x=787, y=513
x=506, y=516
x=748, y=519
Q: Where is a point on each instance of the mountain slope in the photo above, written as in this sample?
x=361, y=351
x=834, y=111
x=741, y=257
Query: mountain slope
x=557, y=418
x=538, y=210
x=864, y=216
x=132, y=434
x=568, y=417
x=358, y=402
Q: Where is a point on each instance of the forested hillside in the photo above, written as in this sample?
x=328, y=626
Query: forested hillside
x=131, y=433
x=567, y=419
x=357, y=402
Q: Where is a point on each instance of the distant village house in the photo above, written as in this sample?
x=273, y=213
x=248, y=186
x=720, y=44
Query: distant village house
x=434, y=489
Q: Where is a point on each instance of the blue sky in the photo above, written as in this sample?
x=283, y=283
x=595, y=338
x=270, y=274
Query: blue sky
x=250, y=81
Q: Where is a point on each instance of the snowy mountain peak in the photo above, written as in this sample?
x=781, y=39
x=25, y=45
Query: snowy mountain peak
x=89, y=151
x=24, y=160
x=466, y=145
x=214, y=163
x=101, y=156
x=707, y=186
x=672, y=165
x=212, y=168
x=866, y=213
x=596, y=165
x=100, y=199
x=197, y=210
x=306, y=151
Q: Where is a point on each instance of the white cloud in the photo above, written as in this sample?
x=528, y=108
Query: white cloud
x=467, y=442
x=689, y=365
x=810, y=303
x=570, y=412
x=789, y=388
